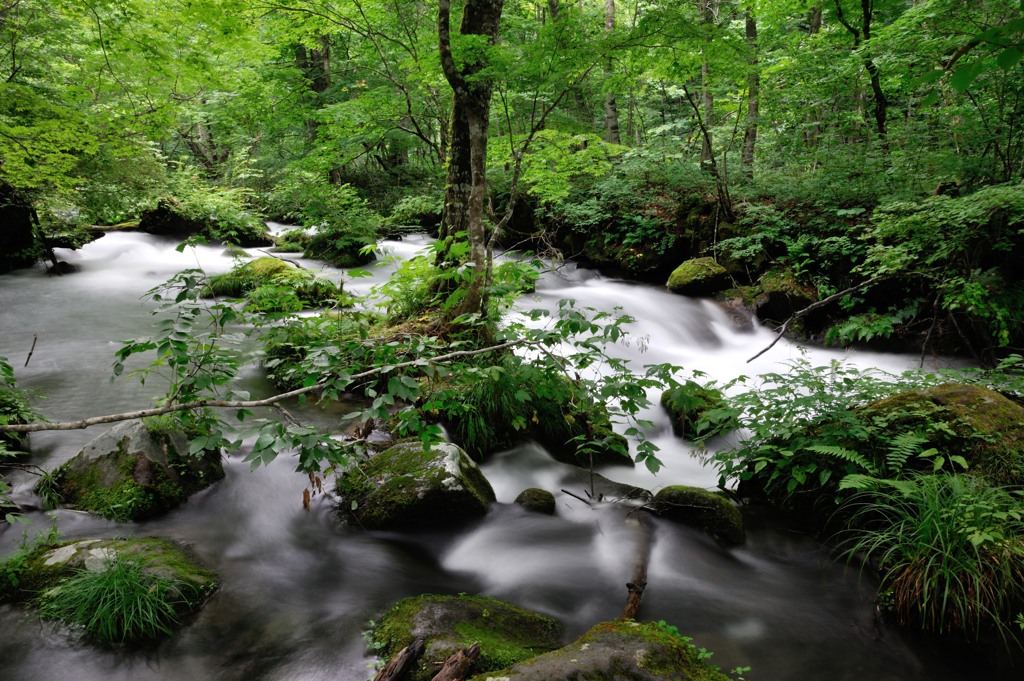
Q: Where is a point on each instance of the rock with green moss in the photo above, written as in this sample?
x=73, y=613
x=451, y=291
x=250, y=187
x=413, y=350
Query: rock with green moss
x=697, y=507
x=621, y=650
x=409, y=487
x=62, y=577
x=173, y=217
x=273, y=285
x=979, y=424
x=698, y=277
x=537, y=500
x=507, y=634
x=688, y=403
x=133, y=472
x=781, y=296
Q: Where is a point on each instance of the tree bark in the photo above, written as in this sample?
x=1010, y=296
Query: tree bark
x=456, y=667
x=611, y=109
x=753, y=97
x=400, y=664
x=862, y=35
x=466, y=181
x=709, y=12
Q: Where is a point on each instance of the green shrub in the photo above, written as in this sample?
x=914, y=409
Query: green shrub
x=950, y=549
x=120, y=604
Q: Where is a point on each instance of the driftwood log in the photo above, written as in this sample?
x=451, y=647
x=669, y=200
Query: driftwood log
x=456, y=667
x=399, y=665
x=643, y=555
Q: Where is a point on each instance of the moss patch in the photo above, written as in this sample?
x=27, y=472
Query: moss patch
x=407, y=487
x=698, y=277
x=507, y=634
x=687, y=403
x=621, y=650
x=132, y=473
x=698, y=507
x=273, y=285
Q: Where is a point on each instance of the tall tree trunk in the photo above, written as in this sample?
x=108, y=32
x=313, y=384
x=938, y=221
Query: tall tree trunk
x=813, y=132
x=861, y=36
x=611, y=109
x=709, y=12
x=466, y=181
x=753, y=97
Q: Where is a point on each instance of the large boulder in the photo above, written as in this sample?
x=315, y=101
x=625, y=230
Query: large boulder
x=781, y=296
x=137, y=470
x=981, y=425
x=621, y=650
x=412, y=487
x=507, y=634
x=18, y=247
x=697, y=507
x=698, y=277
x=51, y=575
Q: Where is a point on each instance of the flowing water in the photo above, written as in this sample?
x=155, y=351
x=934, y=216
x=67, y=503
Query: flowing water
x=298, y=590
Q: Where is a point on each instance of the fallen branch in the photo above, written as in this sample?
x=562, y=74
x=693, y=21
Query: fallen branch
x=814, y=306
x=456, y=667
x=643, y=555
x=35, y=338
x=400, y=664
x=241, y=404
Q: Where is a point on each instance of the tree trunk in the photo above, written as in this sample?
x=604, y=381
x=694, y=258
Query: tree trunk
x=611, y=109
x=863, y=35
x=315, y=64
x=753, y=98
x=466, y=182
x=709, y=12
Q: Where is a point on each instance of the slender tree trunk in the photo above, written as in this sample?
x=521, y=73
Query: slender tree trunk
x=466, y=181
x=709, y=11
x=861, y=36
x=315, y=63
x=753, y=98
x=814, y=131
x=611, y=109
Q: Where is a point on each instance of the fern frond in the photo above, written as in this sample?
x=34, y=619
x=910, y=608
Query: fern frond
x=844, y=454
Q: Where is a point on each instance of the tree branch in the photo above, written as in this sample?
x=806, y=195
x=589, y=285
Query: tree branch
x=245, y=404
x=814, y=306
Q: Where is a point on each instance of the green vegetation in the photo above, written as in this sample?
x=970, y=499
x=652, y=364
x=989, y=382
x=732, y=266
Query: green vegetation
x=918, y=475
x=273, y=285
x=119, y=604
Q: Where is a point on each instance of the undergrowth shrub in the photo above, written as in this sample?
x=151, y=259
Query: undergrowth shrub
x=949, y=549
x=120, y=604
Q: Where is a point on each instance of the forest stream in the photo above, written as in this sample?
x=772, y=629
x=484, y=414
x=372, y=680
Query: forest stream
x=298, y=589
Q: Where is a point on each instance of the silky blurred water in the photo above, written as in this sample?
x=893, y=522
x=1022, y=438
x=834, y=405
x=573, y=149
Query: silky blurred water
x=298, y=589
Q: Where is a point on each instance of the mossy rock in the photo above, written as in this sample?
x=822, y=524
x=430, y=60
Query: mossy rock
x=292, y=241
x=133, y=472
x=407, y=487
x=341, y=250
x=983, y=426
x=698, y=277
x=697, y=507
x=621, y=650
x=507, y=634
x=18, y=244
x=688, y=403
x=536, y=500
x=171, y=217
x=274, y=285
x=37, y=573
x=781, y=296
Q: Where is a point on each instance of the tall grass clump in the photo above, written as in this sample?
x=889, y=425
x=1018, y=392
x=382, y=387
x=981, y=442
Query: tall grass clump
x=120, y=604
x=949, y=550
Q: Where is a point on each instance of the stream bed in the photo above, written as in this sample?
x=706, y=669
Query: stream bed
x=298, y=589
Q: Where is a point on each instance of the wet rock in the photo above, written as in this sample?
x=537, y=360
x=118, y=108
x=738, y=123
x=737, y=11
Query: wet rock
x=697, y=507
x=687, y=403
x=537, y=500
x=981, y=425
x=407, y=487
x=18, y=247
x=45, y=569
x=133, y=472
x=698, y=277
x=621, y=650
x=780, y=297
x=507, y=634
